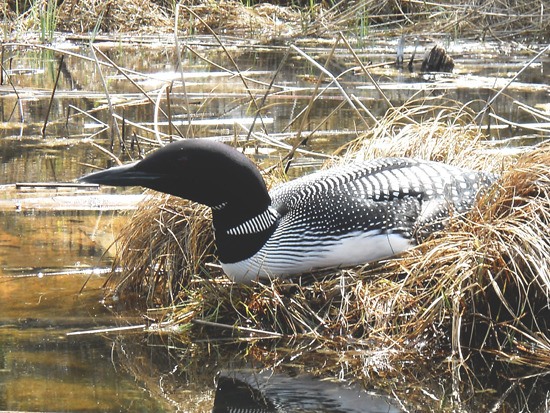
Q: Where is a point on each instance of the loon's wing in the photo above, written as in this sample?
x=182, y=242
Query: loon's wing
x=389, y=195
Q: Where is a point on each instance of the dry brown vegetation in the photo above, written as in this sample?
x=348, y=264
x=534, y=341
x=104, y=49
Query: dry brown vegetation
x=504, y=20
x=483, y=283
x=77, y=16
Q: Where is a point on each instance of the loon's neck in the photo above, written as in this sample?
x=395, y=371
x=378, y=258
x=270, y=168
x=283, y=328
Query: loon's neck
x=241, y=230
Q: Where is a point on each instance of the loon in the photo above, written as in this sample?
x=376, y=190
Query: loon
x=343, y=216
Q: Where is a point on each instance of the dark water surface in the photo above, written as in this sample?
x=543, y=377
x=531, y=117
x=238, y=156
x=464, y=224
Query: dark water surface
x=52, y=257
x=47, y=258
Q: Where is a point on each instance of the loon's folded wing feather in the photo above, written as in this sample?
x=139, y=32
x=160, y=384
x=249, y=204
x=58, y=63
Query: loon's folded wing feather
x=409, y=196
x=364, y=180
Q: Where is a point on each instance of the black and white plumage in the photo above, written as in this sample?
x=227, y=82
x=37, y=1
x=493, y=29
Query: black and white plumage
x=342, y=216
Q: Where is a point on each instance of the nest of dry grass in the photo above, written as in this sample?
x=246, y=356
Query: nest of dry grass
x=166, y=248
x=482, y=283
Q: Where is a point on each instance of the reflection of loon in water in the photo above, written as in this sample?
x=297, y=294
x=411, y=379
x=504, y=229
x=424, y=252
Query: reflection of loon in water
x=268, y=392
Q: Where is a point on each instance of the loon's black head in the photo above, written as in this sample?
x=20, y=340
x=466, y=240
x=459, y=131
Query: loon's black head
x=201, y=170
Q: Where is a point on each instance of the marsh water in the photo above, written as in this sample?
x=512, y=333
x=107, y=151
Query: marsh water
x=62, y=348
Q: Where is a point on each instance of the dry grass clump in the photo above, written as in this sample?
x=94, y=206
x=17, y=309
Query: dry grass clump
x=501, y=19
x=164, y=248
x=113, y=16
x=512, y=232
x=428, y=129
x=195, y=17
x=484, y=282
x=232, y=16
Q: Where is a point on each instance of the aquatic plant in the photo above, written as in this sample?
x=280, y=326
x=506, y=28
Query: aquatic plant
x=34, y=14
x=48, y=20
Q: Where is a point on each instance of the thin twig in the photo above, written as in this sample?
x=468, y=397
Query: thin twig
x=115, y=128
x=189, y=131
x=268, y=90
x=43, y=131
x=237, y=328
x=108, y=330
x=169, y=109
x=109, y=153
x=2, y=66
x=305, y=117
x=491, y=101
x=230, y=57
x=365, y=70
x=156, y=114
x=138, y=87
x=18, y=104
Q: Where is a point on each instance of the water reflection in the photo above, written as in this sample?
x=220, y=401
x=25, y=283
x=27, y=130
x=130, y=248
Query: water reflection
x=269, y=392
x=213, y=91
x=222, y=375
x=47, y=259
x=217, y=376
x=43, y=370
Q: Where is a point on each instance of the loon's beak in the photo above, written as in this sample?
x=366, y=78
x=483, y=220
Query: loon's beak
x=125, y=175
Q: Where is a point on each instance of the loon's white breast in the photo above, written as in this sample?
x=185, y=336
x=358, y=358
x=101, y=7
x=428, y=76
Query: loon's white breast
x=356, y=248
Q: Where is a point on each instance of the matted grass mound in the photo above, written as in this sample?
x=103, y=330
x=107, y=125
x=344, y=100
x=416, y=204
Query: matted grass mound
x=196, y=17
x=114, y=16
x=166, y=246
x=484, y=282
